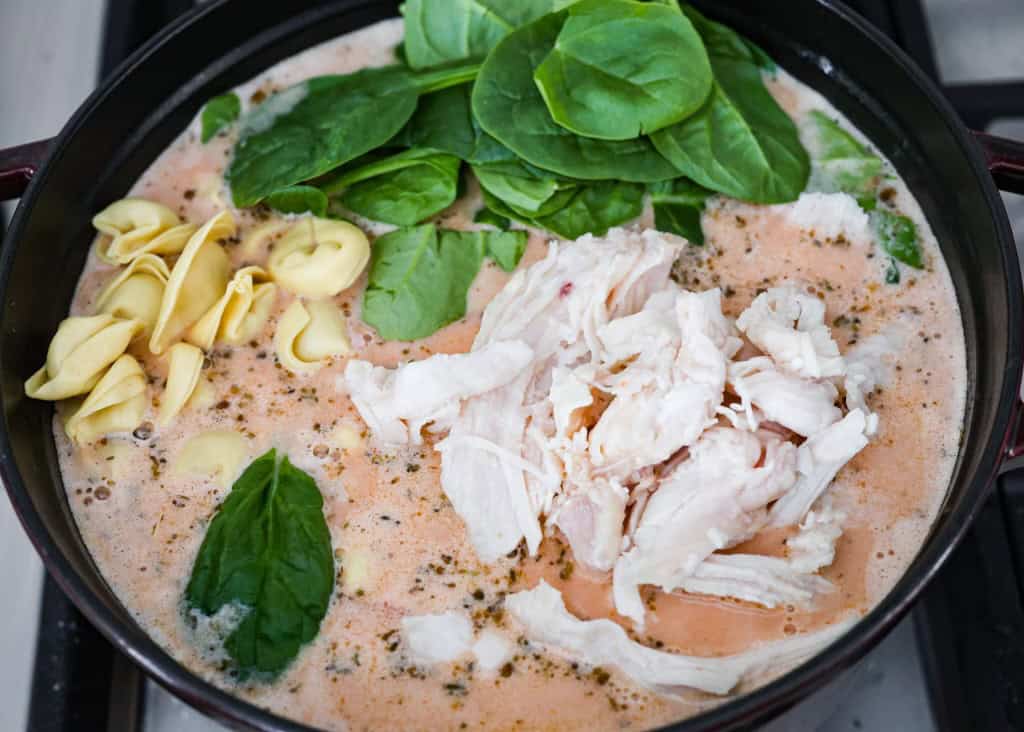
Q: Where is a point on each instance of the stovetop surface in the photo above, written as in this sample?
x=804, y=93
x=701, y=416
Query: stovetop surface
x=956, y=663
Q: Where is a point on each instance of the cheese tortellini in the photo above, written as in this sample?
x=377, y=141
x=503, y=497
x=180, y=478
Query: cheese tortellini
x=184, y=366
x=217, y=453
x=116, y=404
x=137, y=291
x=136, y=227
x=319, y=258
x=196, y=282
x=309, y=334
x=239, y=314
x=255, y=242
x=79, y=353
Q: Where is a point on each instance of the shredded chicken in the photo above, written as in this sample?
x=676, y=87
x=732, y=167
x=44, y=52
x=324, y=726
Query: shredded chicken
x=557, y=308
x=674, y=353
x=432, y=639
x=603, y=399
x=801, y=405
x=601, y=642
x=867, y=365
x=437, y=638
x=773, y=581
x=712, y=501
x=767, y=581
x=398, y=403
x=592, y=522
x=788, y=324
x=818, y=460
x=814, y=546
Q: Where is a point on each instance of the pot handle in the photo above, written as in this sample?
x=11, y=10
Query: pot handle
x=19, y=164
x=1005, y=160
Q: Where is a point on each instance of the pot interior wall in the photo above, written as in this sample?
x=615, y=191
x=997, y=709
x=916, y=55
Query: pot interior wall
x=127, y=125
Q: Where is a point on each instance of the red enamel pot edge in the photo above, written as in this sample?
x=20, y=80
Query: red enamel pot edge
x=153, y=95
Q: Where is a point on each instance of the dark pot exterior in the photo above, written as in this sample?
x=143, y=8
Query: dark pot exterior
x=153, y=96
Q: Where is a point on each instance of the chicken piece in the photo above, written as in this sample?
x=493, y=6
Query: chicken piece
x=675, y=352
x=711, y=501
x=483, y=473
x=664, y=370
x=767, y=581
x=577, y=288
x=829, y=216
x=397, y=403
x=867, y=366
x=814, y=545
x=492, y=649
x=817, y=462
x=592, y=522
x=495, y=468
x=542, y=613
x=788, y=324
x=801, y=405
x=773, y=581
x=437, y=638
x=569, y=397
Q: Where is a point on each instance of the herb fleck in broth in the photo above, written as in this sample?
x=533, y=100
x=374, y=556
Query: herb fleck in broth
x=400, y=549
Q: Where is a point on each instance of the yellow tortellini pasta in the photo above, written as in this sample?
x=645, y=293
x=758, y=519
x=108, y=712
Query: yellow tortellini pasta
x=309, y=334
x=319, y=257
x=116, y=404
x=184, y=366
x=136, y=227
x=217, y=453
x=238, y=316
x=137, y=291
x=79, y=353
x=203, y=396
x=256, y=240
x=196, y=282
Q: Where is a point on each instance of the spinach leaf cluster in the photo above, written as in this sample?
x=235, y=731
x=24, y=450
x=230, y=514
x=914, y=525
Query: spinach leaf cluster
x=563, y=111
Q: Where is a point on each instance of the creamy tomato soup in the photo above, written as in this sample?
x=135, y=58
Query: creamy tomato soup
x=402, y=550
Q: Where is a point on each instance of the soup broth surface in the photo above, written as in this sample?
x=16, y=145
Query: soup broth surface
x=401, y=548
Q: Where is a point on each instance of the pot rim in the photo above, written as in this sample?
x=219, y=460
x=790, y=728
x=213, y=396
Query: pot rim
x=787, y=689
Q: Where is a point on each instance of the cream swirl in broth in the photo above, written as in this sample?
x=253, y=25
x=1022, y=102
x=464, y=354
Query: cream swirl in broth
x=403, y=551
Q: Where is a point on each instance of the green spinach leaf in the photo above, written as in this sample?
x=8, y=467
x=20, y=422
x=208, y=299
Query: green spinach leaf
x=722, y=41
x=506, y=248
x=298, y=199
x=439, y=31
x=218, y=113
x=678, y=206
x=444, y=121
x=740, y=143
x=526, y=190
x=620, y=69
x=897, y=235
x=402, y=189
x=592, y=208
x=268, y=553
x=841, y=163
x=509, y=106
x=595, y=208
x=892, y=273
x=490, y=218
x=419, y=277
x=313, y=127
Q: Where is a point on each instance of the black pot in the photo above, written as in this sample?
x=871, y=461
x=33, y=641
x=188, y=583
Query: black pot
x=138, y=111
